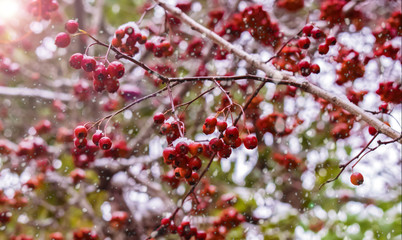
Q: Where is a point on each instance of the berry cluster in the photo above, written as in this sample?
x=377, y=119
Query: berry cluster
x=351, y=66
x=229, y=218
x=390, y=92
x=63, y=39
x=56, y=236
x=127, y=37
x=42, y=8
x=304, y=42
x=98, y=138
x=289, y=161
x=184, y=230
x=85, y=234
x=159, y=46
x=103, y=77
x=21, y=237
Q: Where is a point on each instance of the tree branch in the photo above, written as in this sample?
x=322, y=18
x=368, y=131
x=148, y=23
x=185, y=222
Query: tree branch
x=278, y=76
x=34, y=93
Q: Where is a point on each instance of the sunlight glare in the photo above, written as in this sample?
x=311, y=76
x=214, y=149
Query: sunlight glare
x=8, y=9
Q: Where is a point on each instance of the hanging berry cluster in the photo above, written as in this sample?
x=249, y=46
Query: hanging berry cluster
x=159, y=46
x=184, y=230
x=126, y=38
x=42, y=8
x=98, y=138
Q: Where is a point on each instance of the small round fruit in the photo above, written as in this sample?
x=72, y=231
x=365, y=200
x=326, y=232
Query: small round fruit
x=383, y=108
x=195, y=163
x=88, y=64
x=372, y=131
x=317, y=33
x=80, y=142
x=80, y=132
x=331, y=40
x=75, y=60
x=62, y=40
x=193, y=178
x=315, y=68
x=182, y=148
x=323, y=49
x=116, y=69
x=304, y=42
x=356, y=179
x=221, y=125
x=159, y=118
x=211, y=121
x=307, y=29
x=250, y=142
x=232, y=133
x=105, y=143
x=169, y=155
x=100, y=72
x=97, y=136
x=165, y=222
x=71, y=26
x=195, y=148
x=216, y=144
x=208, y=129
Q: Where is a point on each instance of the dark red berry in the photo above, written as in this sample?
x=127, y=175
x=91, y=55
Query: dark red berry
x=112, y=85
x=211, y=121
x=317, y=33
x=192, y=180
x=250, y=142
x=182, y=148
x=315, y=68
x=356, y=178
x=221, y=125
x=120, y=33
x=100, y=72
x=159, y=118
x=169, y=155
x=232, y=133
x=80, y=142
x=383, y=108
x=105, y=143
x=88, y=63
x=195, y=148
x=207, y=129
x=195, y=163
x=307, y=29
x=331, y=40
x=116, y=69
x=98, y=85
x=97, y=136
x=323, y=48
x=372, y=131
x=304, y=68
x=71, y=26
x=62, y=40
x=165, y=222
x=80, y=131
x=304, y=42
x=216, y=144
x=75, y=60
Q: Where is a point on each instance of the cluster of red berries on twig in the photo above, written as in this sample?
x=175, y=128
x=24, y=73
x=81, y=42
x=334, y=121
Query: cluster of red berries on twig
x=98, y=138
x=184, y=230
x=126, y=38
x=42, y=8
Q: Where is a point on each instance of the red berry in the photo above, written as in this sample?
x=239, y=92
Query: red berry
x=372, y=131
x=201, y=235
x=208, y=129
x=98, y=85
x=211, y=121
x=100, y=72
x=159, y=118
x=237, y=143
x=225, y=152
x=56, y=236
x=150, y=46
x=195, y=148
x=221, y=125
x=165, y=128
x=182, y=148
x=192, y=180
x=97, y=136
x=169, y=155
x=165, y=222
x=304, y=42
x=232, y=133
x=323, y=48
x=71, y=26
x=307, y=29
x=195, y=163
x=77, y=175
x=112, y=85
x=315, y=68
x=317, y=33
x=356, y=178
x=62, y=40
x=75, y=60
x=304, y=68
x=216, y=144
x=80, y=132
x=331, y=40
x=80, y=142
x=88, y=63
x=116, y=69
x=250, y=142
x=105, y=143
x=383, y=108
